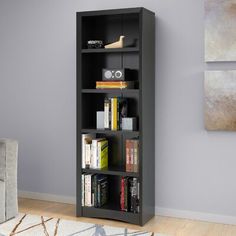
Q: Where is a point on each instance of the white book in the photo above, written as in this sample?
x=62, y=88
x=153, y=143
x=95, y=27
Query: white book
x=82, y=191
x=88, y=190
x=85, y=138
x=112, y=114
x=87, y=155
x=94, y=153
x=107, y=114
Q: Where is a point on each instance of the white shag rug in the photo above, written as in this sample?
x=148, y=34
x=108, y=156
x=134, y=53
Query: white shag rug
x=32, y=225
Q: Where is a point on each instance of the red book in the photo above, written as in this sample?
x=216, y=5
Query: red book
x=122, y=194
x=128, y=155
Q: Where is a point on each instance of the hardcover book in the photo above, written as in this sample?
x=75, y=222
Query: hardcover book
x=102, y=159
x=107, y=113
x=86, y=139
x=114, y=84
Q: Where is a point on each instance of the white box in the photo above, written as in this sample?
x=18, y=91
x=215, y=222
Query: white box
x=100, y=119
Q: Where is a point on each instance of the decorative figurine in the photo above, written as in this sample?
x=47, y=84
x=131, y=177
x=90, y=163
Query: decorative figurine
x=117, y=44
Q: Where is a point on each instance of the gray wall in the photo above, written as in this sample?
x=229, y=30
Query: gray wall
x=195, y=169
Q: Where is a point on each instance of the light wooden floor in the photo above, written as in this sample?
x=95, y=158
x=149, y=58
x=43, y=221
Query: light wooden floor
x=165, y=225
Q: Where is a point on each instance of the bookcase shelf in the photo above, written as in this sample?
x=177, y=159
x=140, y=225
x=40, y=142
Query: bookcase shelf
x=137, y=55
x=112, y=91
x=104, y=131
x=111, y=171
x=111, y=50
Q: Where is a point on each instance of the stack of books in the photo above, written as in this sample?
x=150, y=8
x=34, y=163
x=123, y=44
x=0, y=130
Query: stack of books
x=132, y=155
x=114, y=84
x=129, y=194
x=94, y=190
x=94, y=152
x=115, y=109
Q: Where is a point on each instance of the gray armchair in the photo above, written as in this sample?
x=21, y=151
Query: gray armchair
x=8, y=179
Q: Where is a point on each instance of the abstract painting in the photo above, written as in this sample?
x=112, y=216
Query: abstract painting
x=220, y=100
x=220, y=33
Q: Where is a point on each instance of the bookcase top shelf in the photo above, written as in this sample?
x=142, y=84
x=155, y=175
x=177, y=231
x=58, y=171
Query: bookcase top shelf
x=118, y=91
x=115, y=11
x=111, y=50
x=111, y=171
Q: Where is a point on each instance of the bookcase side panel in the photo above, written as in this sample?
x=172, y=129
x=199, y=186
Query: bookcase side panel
x=147, y=120
x=78, y=114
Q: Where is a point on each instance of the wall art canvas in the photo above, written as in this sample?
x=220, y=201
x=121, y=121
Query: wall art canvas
x=220, y=30
x=220, y=100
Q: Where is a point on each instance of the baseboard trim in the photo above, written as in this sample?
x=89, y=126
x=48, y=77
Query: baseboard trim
x=47, y=197
x=193, y=215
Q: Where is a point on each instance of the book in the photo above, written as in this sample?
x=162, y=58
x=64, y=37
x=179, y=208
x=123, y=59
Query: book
x=94, y=152
x=102, y=190
x=86, y=138
x=125, y=193
x=115, y=109
x=102, y=159
x=131, y=159
x=92, y=190
x=95, y=189
x=134, y=195
x=136, y=155
x=87, y=155
x=107, y=113
x=114, y=84
x=114, y=114
x=129, y=155
x=88, y=190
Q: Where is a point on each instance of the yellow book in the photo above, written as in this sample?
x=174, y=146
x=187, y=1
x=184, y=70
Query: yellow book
x=102, y=154
x=114, y=114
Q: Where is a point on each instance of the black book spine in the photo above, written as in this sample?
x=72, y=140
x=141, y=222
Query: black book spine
x=104, y=193
x=134, y=198
x=95, y=190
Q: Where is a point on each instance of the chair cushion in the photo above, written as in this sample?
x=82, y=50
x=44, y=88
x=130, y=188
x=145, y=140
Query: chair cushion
x=8, y=165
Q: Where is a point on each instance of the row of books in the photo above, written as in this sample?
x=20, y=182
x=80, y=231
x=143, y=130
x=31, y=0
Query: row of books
x=114, y=84
x=115, y=109
x=94, y=190
x=132, y=154
x=129, y=194
x=94, y=152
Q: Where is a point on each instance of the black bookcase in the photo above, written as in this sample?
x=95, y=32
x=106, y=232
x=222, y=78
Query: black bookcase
x=138, y=54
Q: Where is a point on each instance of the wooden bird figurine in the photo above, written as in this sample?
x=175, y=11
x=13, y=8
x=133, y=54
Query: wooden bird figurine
x=117, y=44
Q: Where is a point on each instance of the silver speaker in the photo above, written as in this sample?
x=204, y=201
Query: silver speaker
x=113, y=74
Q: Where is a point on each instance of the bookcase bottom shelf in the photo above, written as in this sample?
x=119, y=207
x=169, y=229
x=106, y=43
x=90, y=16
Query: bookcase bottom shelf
x=107, y=213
